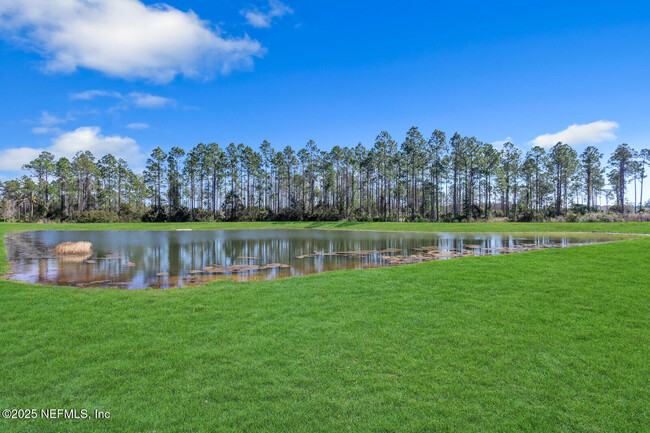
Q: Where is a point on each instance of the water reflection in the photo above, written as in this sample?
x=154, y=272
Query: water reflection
x=161, y=259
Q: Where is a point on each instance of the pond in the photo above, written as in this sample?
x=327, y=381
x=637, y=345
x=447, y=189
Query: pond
x=163, y=259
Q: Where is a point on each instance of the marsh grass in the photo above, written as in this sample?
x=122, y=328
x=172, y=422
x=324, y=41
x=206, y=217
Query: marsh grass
x=81, y=248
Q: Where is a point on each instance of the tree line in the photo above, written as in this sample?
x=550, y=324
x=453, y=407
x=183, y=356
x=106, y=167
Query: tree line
x=435, y=178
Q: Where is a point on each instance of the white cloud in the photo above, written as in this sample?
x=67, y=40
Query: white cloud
x=146, y=100
x=90, y=138
x=47, y=123
x=70, y=142
x=13, y=159
x=48, y=119
x=46, y=130
x=502, y=142
x=138, y=125
x=124, y=38
x=576, y=135
x=92, y=94
x=136, y=99
x=259, y=19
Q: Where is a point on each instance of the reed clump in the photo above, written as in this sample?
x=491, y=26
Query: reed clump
x=74, y=248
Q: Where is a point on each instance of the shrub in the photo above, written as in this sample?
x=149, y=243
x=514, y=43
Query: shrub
x=56, y=214
x=155, y=215
x=202, y=216
x=129, y=213
x=639, y=218
x=180, y=215
x=616, y=208
x=529, y=215
x=97, y=216
x=579, y=209
x=571, y=217
x=549, y=212
x=255, y=213
x=447, y=217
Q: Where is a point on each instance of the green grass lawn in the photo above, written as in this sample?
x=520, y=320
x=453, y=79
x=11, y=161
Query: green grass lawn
x=551, y=340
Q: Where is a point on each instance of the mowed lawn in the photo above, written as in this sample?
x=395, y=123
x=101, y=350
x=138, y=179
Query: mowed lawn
x=551, y=340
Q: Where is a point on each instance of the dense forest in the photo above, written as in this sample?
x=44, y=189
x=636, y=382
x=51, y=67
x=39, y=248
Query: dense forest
x=438, y=178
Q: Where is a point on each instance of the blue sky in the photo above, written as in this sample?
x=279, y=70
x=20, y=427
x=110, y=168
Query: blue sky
x=127, y=76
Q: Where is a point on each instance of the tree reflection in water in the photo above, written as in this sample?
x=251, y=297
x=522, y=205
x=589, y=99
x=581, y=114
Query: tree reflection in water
x=162, y=259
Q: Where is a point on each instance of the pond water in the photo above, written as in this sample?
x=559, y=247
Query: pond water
x=162, y=259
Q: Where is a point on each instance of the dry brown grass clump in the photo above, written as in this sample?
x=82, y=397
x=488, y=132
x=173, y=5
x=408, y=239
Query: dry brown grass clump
x=74, y=248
